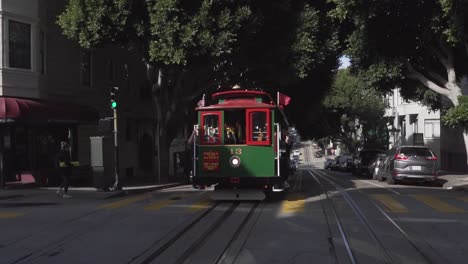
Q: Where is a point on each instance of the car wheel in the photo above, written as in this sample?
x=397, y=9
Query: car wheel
x=436, y=183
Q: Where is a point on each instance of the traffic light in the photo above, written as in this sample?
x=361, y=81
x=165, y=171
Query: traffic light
x=113, y=97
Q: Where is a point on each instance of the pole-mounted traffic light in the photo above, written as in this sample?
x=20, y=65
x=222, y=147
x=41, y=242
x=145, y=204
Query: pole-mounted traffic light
x=113, y=97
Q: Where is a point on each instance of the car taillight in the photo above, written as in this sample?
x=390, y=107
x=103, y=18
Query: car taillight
x=431, y=158
x=401, y=157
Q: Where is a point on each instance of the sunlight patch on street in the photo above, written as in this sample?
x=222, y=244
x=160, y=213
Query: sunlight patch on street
x=390, y=203
x=9, y=215
x=125, y=202
x=437, y=204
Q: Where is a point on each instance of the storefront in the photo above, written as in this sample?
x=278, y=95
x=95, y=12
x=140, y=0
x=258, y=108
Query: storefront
x=30, y=135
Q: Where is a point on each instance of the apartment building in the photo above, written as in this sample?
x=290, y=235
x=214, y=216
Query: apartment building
x=52, y=90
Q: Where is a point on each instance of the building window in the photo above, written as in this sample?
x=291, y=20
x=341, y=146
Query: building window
x=390, y=100
x=19, y=41
x=399, y=99
x=86, y=67
x=42, y=43
x=403, y=127
x=432, y=128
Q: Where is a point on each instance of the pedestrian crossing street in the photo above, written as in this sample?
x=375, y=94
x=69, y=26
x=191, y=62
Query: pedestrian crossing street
x=293, y=204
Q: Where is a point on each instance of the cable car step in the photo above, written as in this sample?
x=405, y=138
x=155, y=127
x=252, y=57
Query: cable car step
x=238, y=195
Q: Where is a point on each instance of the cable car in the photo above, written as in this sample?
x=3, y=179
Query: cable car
x=241, y=145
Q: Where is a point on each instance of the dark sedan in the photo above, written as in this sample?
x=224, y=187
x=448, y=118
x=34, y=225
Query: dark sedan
x=364, y=159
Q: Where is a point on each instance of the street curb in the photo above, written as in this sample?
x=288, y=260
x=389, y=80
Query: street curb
x=143, y=190
x=459, y=187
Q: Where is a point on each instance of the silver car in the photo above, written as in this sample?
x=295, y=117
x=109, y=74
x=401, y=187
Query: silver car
x=415, y=163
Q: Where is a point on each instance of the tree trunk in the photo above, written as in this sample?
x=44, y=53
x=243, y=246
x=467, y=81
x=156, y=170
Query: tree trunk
x=164, y=156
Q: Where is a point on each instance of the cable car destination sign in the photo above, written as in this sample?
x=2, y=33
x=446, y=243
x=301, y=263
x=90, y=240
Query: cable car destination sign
x=211, y=160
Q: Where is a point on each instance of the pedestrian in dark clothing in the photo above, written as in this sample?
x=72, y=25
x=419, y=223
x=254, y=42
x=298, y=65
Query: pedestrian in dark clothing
x=65, y=167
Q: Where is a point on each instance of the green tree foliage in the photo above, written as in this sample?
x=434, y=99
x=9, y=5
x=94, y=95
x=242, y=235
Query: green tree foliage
x=352, y=106
x=409, y=44
x=197, y=45
x=458, y=116
x=416, y=45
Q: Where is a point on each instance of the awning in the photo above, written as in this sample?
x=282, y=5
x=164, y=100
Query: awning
x=14, y=109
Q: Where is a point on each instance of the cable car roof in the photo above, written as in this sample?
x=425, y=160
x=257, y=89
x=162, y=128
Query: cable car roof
x=239, y=94
x=238, y=103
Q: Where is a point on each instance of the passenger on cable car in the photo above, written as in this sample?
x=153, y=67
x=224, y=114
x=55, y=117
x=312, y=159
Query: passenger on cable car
x=230, y=134
x=285, y=146
x=239, y=133
x=211, y=131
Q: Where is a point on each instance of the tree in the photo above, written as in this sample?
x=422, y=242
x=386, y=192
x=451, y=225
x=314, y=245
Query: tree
x=354, y=112
x=179, y=41
x=415, y=45
x=190, y=47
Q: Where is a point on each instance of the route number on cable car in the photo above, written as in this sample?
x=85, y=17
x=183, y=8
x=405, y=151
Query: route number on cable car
x=237, y=151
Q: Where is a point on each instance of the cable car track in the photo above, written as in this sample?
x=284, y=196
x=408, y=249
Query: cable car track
x=386, y=254
x=160, y=253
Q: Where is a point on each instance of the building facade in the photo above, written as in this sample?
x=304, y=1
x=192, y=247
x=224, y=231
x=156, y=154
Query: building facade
x=410, y=123
x=51, y=90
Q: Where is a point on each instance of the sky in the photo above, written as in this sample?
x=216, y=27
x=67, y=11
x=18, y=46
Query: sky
x=344, y=62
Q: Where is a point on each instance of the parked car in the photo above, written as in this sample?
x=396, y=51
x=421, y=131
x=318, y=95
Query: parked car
x=375, y=165
x=318, y=154
x=346, y=163
x=412, y=163
x=336, y=163
x=328, y=163
x=363, y=160
x=293, y=165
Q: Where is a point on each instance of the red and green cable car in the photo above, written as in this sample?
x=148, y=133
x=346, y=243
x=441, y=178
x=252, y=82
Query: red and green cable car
x=239, y=144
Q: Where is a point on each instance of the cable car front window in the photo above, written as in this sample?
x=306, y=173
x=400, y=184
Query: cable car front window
x=234, y=127
x=211, y=129
x=259, y=126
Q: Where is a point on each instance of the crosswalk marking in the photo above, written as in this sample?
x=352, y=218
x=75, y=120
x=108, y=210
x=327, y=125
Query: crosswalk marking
x=9, y=215
x=391, y=204
x=202, y=204
x=125, y=202
x=295, y=204
x=437, y=204
x=465, y=199
x=161, y=203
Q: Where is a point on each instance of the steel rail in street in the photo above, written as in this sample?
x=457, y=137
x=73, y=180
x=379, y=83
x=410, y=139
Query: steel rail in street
x=223, y=256
x=345, y=239
x=361, y=215
x=155, y=254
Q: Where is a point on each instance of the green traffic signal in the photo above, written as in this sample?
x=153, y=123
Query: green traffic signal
x=114, y=104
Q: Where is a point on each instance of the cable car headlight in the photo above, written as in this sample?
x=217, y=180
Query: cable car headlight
x=234, y=161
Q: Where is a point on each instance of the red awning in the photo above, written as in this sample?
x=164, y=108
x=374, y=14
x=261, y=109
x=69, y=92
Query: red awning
x=20, y=109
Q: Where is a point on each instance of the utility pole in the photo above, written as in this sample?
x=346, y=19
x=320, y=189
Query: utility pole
x=117, y=184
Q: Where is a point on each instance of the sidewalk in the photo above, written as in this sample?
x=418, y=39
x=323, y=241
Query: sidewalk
x=22, y=191
x=454, y=181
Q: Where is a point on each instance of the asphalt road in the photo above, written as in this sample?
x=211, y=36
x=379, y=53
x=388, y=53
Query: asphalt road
x=325, y=217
